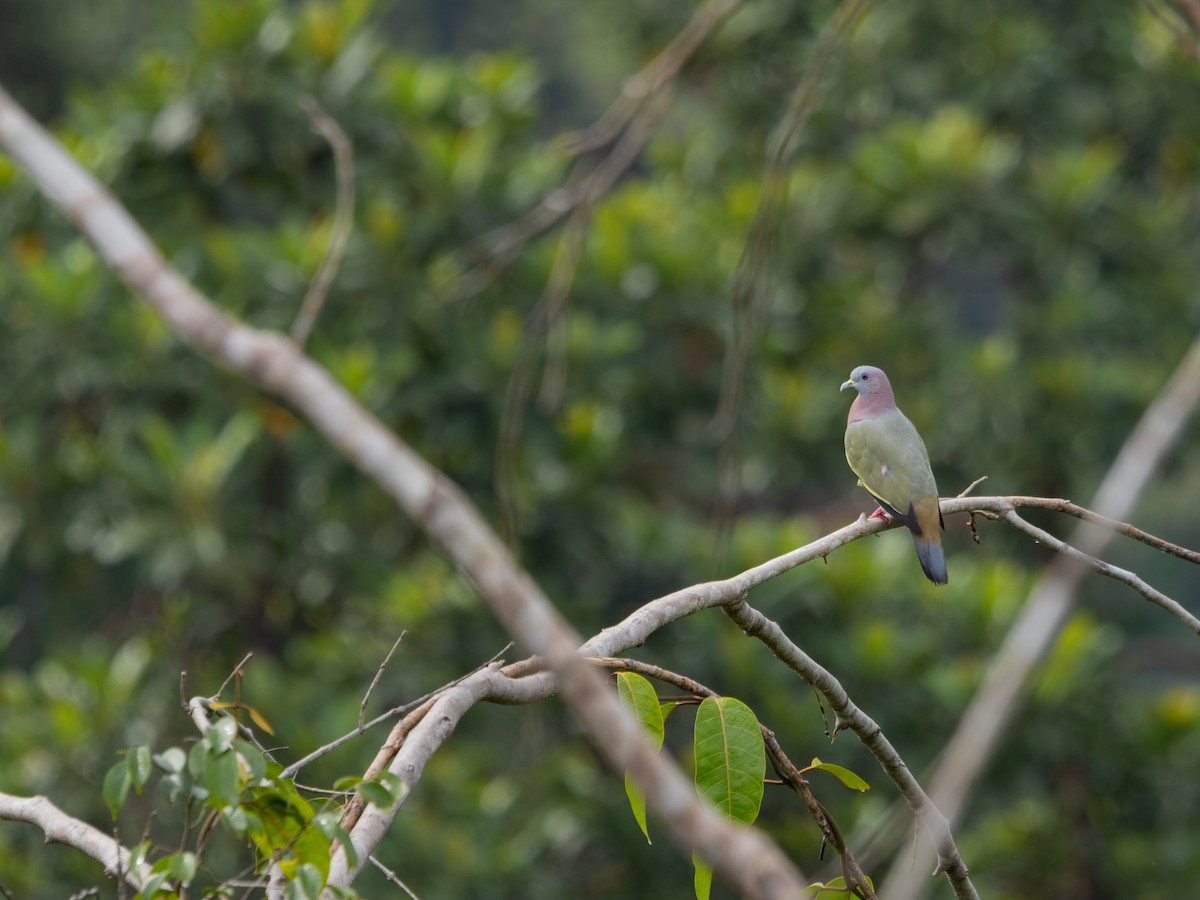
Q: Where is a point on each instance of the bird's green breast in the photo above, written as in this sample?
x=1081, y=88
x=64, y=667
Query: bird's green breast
x=889, y=458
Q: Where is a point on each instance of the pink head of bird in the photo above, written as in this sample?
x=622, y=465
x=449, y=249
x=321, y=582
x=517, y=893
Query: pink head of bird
x=874, y=392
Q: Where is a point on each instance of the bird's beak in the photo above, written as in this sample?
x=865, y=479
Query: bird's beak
x=847, y=384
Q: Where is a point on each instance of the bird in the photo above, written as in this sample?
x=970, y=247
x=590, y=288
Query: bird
x=888, y=456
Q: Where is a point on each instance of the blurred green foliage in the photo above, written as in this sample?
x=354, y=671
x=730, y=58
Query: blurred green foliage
x=998, y=203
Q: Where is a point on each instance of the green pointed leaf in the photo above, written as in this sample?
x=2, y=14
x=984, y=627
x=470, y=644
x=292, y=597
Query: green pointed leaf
x=638, y=695
x=138, y=761
x=730, y=758
x=637, y=805
x=116, y=786
x=702, y=879
x=841, y=773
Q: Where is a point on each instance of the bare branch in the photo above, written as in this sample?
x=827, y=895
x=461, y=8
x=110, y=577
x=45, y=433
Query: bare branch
x=343, y=218
x=64, y=829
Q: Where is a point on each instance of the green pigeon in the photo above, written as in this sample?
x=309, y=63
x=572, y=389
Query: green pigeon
x=889, y=458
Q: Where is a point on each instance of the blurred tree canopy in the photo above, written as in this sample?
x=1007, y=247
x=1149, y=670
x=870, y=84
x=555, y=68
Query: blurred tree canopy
x=998, y=203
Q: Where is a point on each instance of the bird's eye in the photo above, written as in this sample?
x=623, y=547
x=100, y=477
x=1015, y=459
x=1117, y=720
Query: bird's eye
x=866, y=377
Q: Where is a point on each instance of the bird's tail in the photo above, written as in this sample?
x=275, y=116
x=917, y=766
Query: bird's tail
x=933, y=560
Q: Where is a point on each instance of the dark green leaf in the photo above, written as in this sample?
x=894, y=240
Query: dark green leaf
x=730, y=758
x=116, y=787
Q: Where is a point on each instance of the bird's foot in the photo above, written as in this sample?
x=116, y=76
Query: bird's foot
x=880, y=514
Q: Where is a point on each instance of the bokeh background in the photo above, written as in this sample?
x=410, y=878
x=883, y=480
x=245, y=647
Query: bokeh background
x=997, y=202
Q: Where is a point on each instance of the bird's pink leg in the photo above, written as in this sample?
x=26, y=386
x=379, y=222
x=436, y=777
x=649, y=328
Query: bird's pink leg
x=880, y=514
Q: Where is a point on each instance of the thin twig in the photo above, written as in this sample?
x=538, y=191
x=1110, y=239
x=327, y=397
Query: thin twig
x=974, y=484
x=1111, y=571
x=362, y=707
x=237, y=670
x=392, y=877
x=343, y=219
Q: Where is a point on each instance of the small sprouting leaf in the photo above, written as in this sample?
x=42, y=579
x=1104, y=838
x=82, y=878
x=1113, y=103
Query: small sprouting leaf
x=730, y=758
x=138, y=760
x=171, y=760
x=841, y=773
x=116, y=786
x=833, y=886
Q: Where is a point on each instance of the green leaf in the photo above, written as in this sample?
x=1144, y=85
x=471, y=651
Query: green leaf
x=394, y=785
x=278, y=821
x=253, y=758
x=220, y=734
x=183, y=867
x=221, y=777
x=375, y=793
x=638, y=695
x=305, y=883
x=198, y=760
x=153, y=883
x=330, y=826
x=116, y=787
x=702, y=877
x=235, y=817
x=172, y=760
x=842, y=774
x=730, y=758
x=138, y=761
